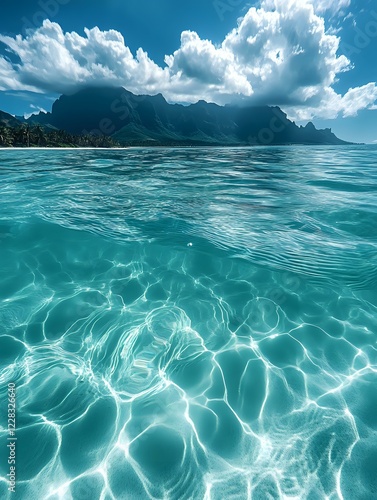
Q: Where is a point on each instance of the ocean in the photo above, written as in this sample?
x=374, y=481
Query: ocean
x=195, y=323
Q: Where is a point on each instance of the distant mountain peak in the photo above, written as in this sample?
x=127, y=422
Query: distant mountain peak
x=8, y=120
x=143, y=119
x=310, y=126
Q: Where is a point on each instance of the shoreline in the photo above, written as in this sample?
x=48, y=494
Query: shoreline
x=20, y=148
x=123, y=148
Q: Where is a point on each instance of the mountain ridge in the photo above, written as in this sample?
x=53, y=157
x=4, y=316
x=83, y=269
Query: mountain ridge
x=133, y=120
x=7, y=120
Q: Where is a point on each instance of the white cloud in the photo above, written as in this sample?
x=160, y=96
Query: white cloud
x=9, y=77
x=280, y=53
x=332, y=6
x=332, y=104
x=285, y=52
x=58, y=62
x=36, y=111
x=359, y=98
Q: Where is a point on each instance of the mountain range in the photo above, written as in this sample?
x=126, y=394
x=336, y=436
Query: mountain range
x=7, y=120
x=132, y=120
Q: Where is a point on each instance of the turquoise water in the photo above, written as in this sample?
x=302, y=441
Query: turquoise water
x=190, y=323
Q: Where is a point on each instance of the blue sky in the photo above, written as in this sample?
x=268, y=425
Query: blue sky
x=314, y=58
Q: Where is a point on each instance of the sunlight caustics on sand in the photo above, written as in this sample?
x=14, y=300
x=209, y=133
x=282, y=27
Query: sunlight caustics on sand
x=190, y=323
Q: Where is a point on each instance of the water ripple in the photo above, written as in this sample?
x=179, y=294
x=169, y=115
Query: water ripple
x=190, y=323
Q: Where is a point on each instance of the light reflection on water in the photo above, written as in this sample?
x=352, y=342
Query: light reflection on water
x=190, y=323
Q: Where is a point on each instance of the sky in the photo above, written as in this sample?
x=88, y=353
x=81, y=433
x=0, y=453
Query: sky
x=316, y=59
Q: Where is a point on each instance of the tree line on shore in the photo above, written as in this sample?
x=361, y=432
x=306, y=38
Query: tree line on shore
x=27, y=135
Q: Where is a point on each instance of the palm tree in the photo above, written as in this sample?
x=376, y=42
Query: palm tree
x=6, y=137
x=39, y=135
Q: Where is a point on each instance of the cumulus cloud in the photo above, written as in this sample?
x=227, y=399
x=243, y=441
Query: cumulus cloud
x=284, y=50
x=332, y=104
x=279, y=54
x=332, y=6
x=62, y=62
x=35, y=110
x=9, y=77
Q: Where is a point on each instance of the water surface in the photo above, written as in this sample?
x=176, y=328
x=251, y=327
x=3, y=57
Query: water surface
x=190, y=323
